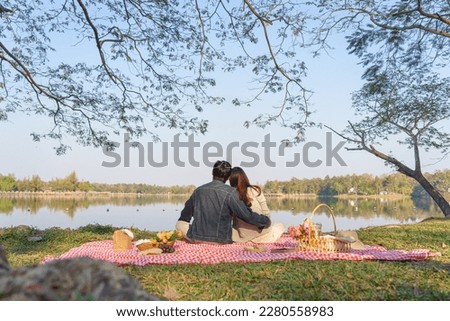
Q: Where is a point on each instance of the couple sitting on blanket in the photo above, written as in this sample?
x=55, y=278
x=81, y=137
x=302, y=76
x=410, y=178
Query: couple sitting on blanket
x=221, y=213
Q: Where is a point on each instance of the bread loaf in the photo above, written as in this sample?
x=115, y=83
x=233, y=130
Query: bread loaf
x=121, y=240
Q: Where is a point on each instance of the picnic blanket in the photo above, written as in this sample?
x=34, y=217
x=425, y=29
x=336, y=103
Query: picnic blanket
x=187, y=253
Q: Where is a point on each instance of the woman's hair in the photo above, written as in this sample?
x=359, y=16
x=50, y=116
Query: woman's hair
x=221, y=170
x=239, y=180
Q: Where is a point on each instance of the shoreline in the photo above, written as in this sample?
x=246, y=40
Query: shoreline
x=85, y=194
x=92, y=194
x=392, y=196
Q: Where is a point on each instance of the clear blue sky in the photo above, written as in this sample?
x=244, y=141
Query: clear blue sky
x=332, y=78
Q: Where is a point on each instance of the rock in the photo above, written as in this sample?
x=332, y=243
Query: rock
x=34, y=238
x=23, y=228
x=69, y=279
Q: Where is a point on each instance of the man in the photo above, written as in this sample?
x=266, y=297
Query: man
x=212, y=205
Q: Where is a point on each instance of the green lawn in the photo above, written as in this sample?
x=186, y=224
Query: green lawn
x=282, y=280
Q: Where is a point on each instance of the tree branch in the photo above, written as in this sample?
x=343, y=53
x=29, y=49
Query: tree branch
x=435, y=16
x=407, y=27
x=98, y=42
x=264, y=22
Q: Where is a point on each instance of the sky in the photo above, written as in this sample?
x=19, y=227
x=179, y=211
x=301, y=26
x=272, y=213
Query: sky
x=332, y=78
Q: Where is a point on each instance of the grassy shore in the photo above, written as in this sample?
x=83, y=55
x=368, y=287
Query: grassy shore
x=282, y=280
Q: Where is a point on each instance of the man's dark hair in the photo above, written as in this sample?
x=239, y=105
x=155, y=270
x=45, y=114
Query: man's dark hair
x=221, y=170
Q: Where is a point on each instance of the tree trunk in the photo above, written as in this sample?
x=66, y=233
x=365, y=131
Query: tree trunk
x=443, y=204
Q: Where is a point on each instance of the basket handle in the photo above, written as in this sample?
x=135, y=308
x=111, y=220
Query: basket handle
x=331, y=212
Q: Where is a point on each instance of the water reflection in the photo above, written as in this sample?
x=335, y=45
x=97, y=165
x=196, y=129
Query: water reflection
x=161, y=212
x=401, y=209
x=70, y=205
x=351, y=213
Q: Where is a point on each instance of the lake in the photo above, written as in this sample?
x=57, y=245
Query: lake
x=155, y=213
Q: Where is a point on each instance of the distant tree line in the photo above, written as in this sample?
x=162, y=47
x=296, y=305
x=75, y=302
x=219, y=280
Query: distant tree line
x=71, y=183
x=364, y=184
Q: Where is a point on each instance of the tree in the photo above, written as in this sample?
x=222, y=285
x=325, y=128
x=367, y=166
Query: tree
x=409, y=107
x=33, y=184
x=36, y=183
x=145, y=64
x=439, y=179
x=401, y=44
x=85, y=186
x=7, y=183
x=411, y=32
x=70, y=182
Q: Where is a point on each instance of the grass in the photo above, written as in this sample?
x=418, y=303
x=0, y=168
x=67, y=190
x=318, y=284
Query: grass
x=273, y=281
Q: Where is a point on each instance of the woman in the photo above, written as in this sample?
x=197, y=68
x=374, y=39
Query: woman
x=253, y=197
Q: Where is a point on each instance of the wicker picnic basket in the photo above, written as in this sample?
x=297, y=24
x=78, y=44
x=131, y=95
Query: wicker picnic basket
x=310, y=238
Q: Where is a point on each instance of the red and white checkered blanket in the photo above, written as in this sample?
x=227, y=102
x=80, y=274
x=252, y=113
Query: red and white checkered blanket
x=186, y=253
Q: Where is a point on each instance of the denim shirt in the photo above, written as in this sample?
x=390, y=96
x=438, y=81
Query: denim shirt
x=211, y=206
